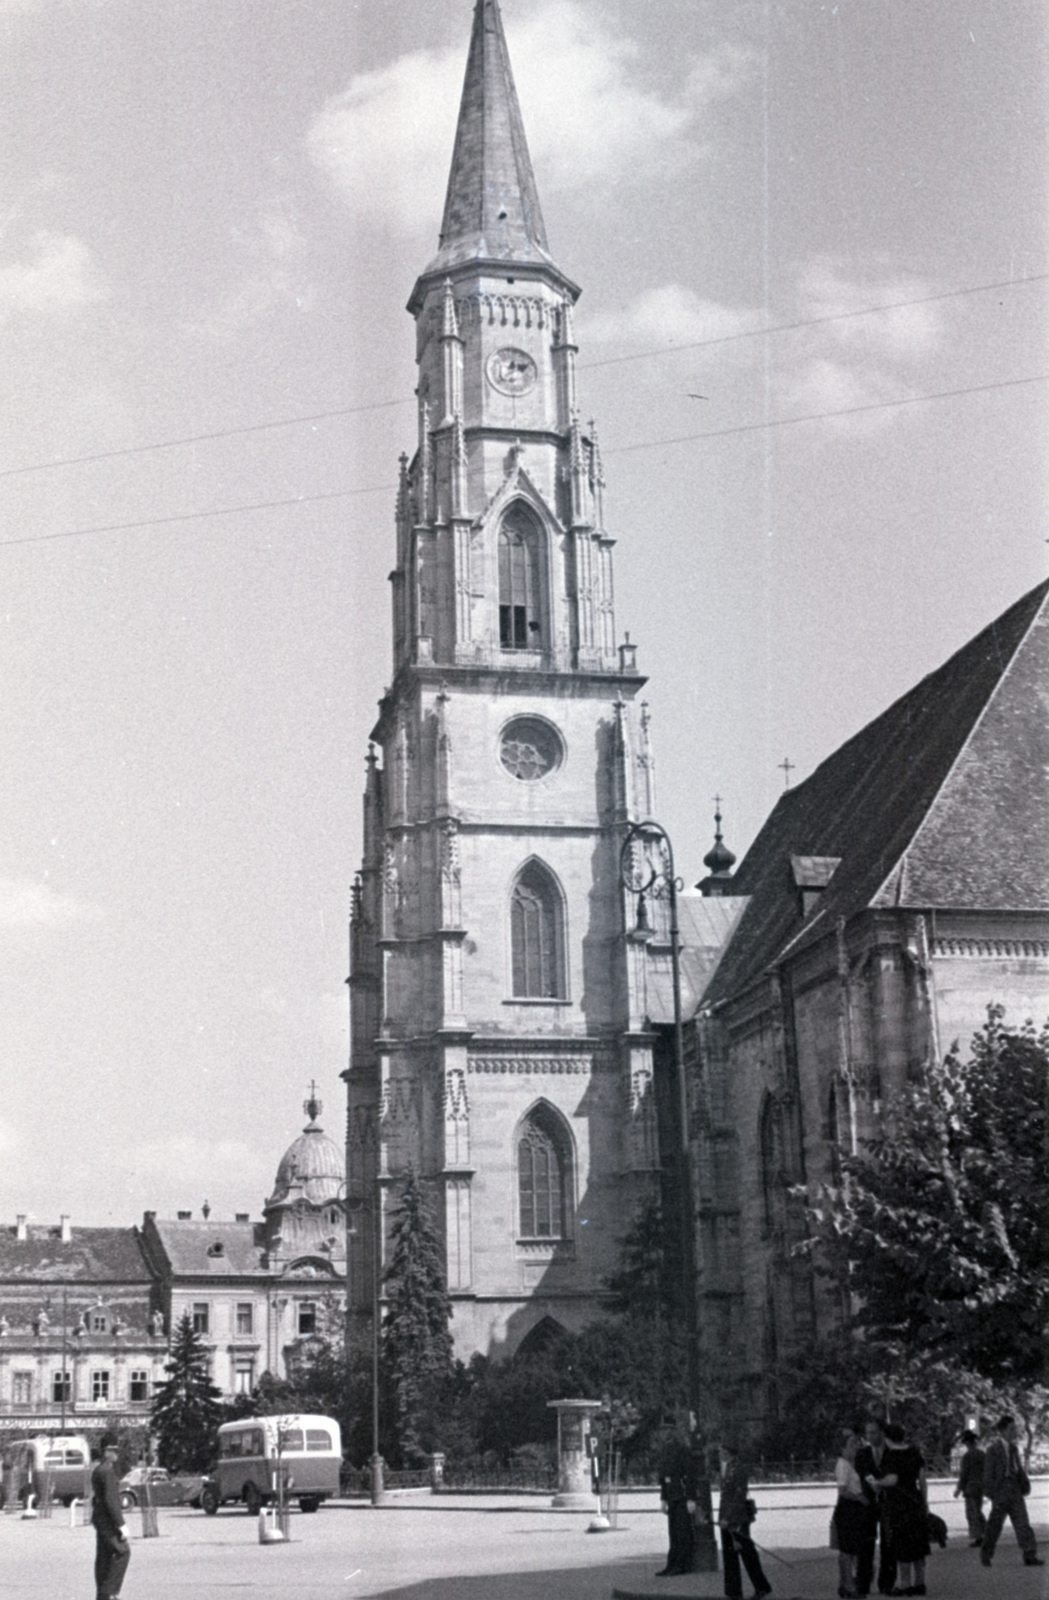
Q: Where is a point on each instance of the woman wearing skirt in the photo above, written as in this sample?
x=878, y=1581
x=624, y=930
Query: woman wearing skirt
x=851, y=1515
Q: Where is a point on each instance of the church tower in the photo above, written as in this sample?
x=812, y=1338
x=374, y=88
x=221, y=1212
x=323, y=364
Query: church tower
x=498, y=1042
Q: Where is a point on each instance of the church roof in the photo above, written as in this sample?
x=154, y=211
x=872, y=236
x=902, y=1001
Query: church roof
x=91, y=1255
x=491, y=209
x=938, y=803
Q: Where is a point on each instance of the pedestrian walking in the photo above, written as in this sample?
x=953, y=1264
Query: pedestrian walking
x=735, y=1515
x=851, y=1515
x=677, y=1496
x=970, y=1484
x=1006, y=1483
x=112, y=1551
x=869, y=1459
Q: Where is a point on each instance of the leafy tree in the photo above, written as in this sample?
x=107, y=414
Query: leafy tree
x=186, y=1411
x=416, y=1341
x=940, y=1227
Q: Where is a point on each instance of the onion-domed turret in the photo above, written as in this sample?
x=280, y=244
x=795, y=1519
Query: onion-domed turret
x=719, y=862
x=313, y=1168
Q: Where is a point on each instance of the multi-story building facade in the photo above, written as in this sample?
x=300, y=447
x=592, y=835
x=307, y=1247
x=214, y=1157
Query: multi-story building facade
x=86, y=1314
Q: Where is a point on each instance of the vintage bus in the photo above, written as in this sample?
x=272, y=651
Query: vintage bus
x=255, y=1453
x=60, y=1464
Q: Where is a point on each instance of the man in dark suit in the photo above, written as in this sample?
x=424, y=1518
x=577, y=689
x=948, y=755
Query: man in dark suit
x=869, y=1458
x=1005, y=1483
x=112, y=1551
x=677, y=1494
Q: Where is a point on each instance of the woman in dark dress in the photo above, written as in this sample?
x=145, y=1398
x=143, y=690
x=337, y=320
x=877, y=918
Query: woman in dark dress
x=905, y=1509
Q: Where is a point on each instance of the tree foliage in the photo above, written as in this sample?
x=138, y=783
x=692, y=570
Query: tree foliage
x=186, y=1408
x=416, y=1340
x=939, y=1229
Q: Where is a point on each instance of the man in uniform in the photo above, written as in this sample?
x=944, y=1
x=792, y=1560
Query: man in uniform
x=112, y=1551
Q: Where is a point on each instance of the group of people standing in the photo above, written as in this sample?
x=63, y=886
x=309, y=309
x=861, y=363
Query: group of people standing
x=883, y=1506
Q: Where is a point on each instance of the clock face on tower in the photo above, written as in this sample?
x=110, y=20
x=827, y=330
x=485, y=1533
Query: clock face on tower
x=511, y=371
x=529, y=748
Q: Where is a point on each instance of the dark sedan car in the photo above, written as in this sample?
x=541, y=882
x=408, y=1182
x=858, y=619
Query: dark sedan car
x=163, y=1489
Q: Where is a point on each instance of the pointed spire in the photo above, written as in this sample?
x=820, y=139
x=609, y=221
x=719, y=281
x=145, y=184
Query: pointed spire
x=491, y=210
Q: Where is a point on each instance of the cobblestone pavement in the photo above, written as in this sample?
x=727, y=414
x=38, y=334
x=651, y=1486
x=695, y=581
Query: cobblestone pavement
x=472, y=1548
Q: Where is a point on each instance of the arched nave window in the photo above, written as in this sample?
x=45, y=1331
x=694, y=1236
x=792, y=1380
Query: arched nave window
x=537, y=935
x=520, y=621
x=544, y=1169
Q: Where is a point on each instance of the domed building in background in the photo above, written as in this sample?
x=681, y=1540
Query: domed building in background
x=255, y=1290
x=86, y=1314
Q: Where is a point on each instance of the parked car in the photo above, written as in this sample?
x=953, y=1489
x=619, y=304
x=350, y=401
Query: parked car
x=164, y=1488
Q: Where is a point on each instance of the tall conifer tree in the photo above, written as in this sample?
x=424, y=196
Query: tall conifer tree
x=186, y=1410
x=417, y=1343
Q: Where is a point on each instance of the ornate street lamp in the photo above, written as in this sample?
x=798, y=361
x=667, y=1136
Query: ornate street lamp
x=646, y=869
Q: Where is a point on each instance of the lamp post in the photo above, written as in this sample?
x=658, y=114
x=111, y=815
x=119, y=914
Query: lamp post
x=646, y=869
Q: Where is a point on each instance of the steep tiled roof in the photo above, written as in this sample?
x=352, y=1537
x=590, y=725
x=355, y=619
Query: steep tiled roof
x=940, y=802
x=93, y=1255
x=214, y=1248
x=491, y=210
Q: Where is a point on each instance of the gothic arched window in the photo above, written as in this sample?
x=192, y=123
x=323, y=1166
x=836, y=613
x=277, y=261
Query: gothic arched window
x=544, y=1167
x=520, y=622
x=536, y=936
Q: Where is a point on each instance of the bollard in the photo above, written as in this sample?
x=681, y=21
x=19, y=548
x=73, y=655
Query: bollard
x=149, y=1523
x=29, y=1514
x=74, y=1505
x=269, y=1532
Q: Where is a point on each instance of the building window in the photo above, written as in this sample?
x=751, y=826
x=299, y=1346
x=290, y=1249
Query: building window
x=536, y=935
x=22, y=1388
x=61, y=1388
x=307, y=1318
x=243, y=1377
x=543, y=1168
x=100, y=1385
x=138, y=1385
x=245, y=1317
x=200, y=1316
x=519, y=621
x=98, y=1322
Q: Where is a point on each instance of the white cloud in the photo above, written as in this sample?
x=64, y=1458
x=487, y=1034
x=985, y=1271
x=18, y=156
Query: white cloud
x=29, y=907
x=905, y=330
x=386, y=140
x=862, y=358
x=57, y=275
x=667, y=315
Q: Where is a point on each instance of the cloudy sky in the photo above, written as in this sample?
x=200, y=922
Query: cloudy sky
x=812, y=244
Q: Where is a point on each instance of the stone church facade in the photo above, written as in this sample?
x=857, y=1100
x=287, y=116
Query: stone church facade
x=886, y=903
x=498, y=1042
x=510, y=1035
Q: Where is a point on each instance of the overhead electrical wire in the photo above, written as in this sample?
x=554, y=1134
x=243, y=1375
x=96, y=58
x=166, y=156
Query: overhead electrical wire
x=585, y=366
x=624, y=449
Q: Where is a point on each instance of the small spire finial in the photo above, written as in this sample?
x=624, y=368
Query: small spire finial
x=786, y=766
x=313, y=1106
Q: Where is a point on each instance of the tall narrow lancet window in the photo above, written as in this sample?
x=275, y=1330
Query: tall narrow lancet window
x=520, y=624
x=543, y=1171
x=536, y=935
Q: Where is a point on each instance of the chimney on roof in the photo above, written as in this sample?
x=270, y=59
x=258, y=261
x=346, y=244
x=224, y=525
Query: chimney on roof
x=20, y=1227
x=184, y=1216
x=65, y=1229
x=242, y=1216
